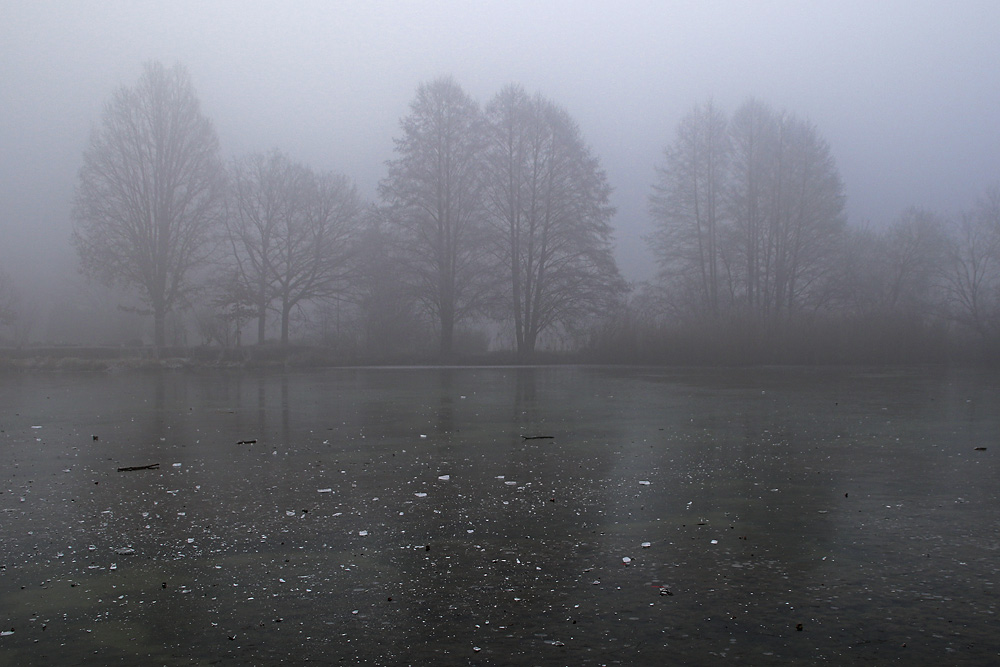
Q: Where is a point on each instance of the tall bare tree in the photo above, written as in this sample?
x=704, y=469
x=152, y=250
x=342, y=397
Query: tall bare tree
x=548, y=203
x=752, y=135
x=291, y=232
x=315, y=247
x=973, y=275
x=688, y=205
x=150, y=191
x=263, y=191
x=786, y=203
x=433, y=193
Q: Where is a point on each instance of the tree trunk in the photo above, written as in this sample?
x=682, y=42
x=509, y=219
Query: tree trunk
x=447, y=334
x=261, y=322
x=286, y=312
x=159, y=329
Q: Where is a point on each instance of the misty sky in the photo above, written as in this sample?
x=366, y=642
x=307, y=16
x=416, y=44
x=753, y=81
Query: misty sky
x=906, y=93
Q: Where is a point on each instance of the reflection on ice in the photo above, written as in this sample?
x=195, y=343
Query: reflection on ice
x=756, y=513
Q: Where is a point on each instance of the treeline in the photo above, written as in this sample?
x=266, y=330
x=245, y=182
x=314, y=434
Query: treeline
x=758, y=265
x=494, y=217
x=492, y=231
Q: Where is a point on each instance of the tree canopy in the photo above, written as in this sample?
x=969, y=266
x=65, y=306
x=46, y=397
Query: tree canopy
x=150, y=191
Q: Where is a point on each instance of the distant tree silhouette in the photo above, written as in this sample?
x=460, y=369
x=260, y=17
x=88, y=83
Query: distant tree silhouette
x=548, y=205
x=433, y=198
x=291, y=232
x=150, y=191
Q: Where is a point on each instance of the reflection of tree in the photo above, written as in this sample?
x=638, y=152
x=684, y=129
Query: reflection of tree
x=255, y=417
x=285, y=411
x=446, y=401
x=524, y=396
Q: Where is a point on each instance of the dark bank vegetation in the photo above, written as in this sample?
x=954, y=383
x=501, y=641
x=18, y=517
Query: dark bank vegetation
x=491, y=242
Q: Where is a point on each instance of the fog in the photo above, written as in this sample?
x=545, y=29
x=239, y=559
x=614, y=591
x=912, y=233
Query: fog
x=906, y=93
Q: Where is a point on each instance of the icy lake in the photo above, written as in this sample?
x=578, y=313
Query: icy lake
x=507, y=516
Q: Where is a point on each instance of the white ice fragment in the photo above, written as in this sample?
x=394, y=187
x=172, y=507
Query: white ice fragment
x=714, y=542
x=114, y=566
x=646, y=545
x=363, y=533
x=289, y=513
x=36, y=427
x=511, y=483
x=644, y=482
x=324, y=490
x=423, y=436
x=444, y=478
x=420, y=494
x=626, y=560
x=177, y=465
x=190, y=540
x=500, y=476
x=6, y=633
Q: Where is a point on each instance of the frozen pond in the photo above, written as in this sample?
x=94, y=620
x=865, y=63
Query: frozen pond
x=400, y=516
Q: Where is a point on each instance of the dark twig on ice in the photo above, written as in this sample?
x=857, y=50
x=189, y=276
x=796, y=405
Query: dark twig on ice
x=247, y=442
x=538, y=437
x=151, y=466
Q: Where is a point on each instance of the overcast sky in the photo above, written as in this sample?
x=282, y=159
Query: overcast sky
x=907, y=93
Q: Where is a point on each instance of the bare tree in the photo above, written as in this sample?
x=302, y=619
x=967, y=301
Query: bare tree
x=896, y=271
x=749, y=213
x=314, y=247
x=913, y=258
x=548, y=203
x=786, y=203
x=150, y=191
x=689, y=208
x=433, y=193
x=291, y=233
x=10, y=301
x=263, y=195
x=973, y=275
x=389, y=319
